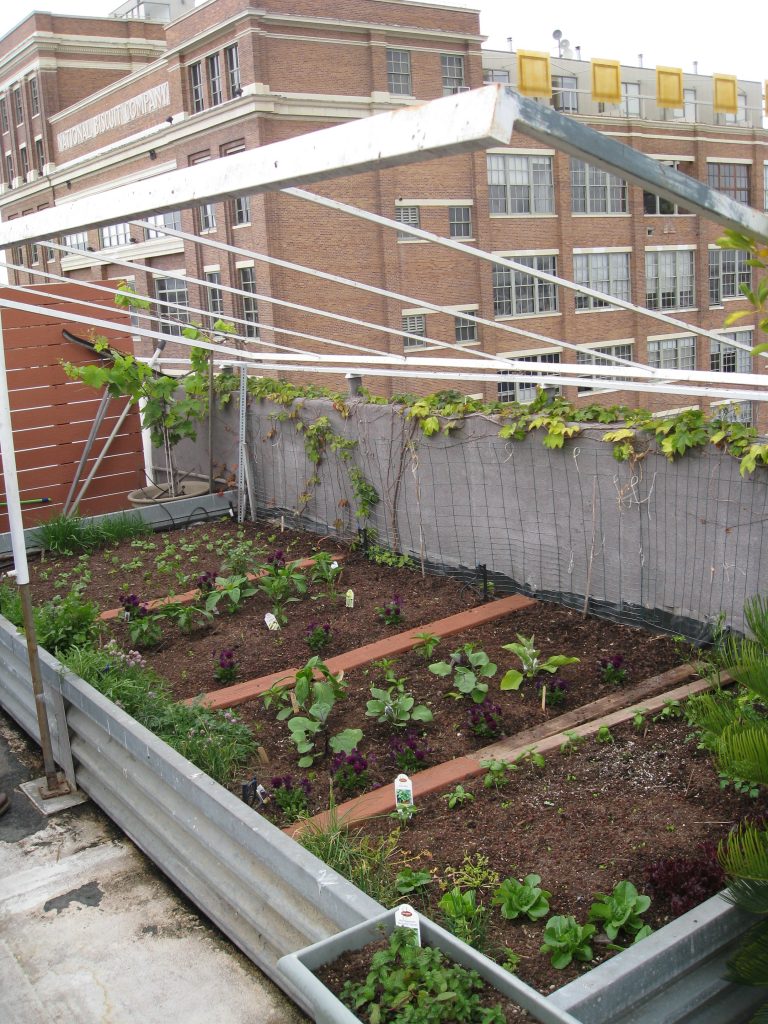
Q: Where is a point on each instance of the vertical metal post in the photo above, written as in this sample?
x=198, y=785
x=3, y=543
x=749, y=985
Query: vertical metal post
x=210, y=422
x=55, y=786
x=241, y=447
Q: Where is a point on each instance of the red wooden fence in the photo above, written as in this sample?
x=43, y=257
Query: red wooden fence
x=52, y=415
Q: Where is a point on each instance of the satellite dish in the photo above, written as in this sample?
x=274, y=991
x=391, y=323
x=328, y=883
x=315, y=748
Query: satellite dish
x=557, y=34
x=565, y=48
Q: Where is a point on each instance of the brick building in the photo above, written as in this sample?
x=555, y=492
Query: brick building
x=89, y=103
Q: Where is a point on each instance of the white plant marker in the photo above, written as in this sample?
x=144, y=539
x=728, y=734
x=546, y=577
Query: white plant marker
x=406, y=917
x=403, y=792
x=350, y=599
x=334, y=565
x=271, y=621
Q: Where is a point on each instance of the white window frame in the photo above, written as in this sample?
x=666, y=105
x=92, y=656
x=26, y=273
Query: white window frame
x=249, y=304
x=241, y=211
x=516, y=293
x=76, y=240
x=565, y=96
x=606, y=270
x=666, y=267
x=630, y=99
x=34, y=96
x=112, y=236
x=465, y=331
x=727, y=270
x=491, y=75
x=18, y=105
x=408, y=215
x=174, y=290
x=688, y=110
x=596, y=192
x=399, y=80
x=215, y=85
x=172, y=219
x=39, y=154
x=664, y=207
x=214, y=297
x=735, y=188
x=207, y=217
x=518, y=193
x=725, y=358
x=521, y=392
x=232, y=63
x=733, y=412
x=452, y=68
x=621, y=349
x=413, y=323
x=460, y=222
x=672, y=352
x=4, y=124
x=197, y=92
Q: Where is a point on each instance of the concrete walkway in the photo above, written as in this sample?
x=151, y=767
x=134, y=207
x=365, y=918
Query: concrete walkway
x=91, y=932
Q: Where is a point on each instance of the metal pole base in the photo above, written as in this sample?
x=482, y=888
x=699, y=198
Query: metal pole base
x=58, y=786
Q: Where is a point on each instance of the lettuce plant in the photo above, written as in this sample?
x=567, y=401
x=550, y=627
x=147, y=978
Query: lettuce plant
x=621, y=910
x=566, y=939
x=522, y=899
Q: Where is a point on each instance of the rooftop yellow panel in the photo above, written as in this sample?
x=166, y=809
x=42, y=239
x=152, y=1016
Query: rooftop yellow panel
x=669, y=87
x=606, y=81
x=534, y=77
x=724, y=94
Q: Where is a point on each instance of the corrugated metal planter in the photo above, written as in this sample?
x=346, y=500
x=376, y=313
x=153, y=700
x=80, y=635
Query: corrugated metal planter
x=298, y=968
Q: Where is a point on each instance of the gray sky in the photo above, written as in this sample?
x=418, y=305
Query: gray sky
x=666, y=33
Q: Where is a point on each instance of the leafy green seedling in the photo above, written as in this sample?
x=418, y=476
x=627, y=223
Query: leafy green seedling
x=621, y=910
x=470, y=669
x=604, y=735
x=565, y=939
x=409, y=881
x=497, y=773
x=522, y=899
x=532, y=663
x=573, y=741
x=457, y=797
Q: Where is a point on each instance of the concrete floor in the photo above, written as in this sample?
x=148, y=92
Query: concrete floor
x=91, y=932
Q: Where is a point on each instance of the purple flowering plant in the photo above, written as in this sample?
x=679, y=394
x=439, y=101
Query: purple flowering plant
x=292, y=797
x=392, y=612
x=350, y=772
x=206, y=582
x=613, y=669
x=557, y=689
x=408, y=753
x=485, y=720
x=318, y=637
x=133, y=606
x=226, y=670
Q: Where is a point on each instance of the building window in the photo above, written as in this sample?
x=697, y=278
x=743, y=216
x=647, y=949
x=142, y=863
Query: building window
x=114, y=235
x=452, y=67
x=673, y=353
x=731, y=179
x=3, y=115
x=622, y=351
x=516, y=293
x=39, y=155
x=518, y=391
x=34, y=97
x=520, y=184
x=241, y=210
x=214, y=297
x=605, y=272
x=406, y=215
x=495, y=75
x=669, y=279
x=733, y=412
x=688, y=110
x=196, y=87
x=9, y=169
x=596, y=191
x=740, y=117
x=565, y=98
x=207, y=216
x=630, y=99
x=399, y=73
x=464, y=330
x=214, y=79
x=34, y=254
x=460, y=221
x=78, y=240
x=249, y=306
x=24, y=159
x=728, y=270
x=765, y=187
x=162, y=220
x=232, y=60
x=416, y=323
x=18, y=255
x=18, y=109
x=725, y=358
x=654, y=205
x=173, y=291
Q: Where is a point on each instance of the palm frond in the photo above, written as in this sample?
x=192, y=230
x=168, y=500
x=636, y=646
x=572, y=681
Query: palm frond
x=761, y=1017
x=742, y=751
x=756, y=615
x=748, y=894
x=744, y=853
x=747, y=662
x=749, y=965
x=710, y=714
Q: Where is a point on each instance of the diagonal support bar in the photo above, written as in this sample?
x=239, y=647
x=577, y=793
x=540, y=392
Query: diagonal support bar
x=453, y=124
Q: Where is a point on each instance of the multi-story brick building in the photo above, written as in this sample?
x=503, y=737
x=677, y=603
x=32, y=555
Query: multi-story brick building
x=87, y=104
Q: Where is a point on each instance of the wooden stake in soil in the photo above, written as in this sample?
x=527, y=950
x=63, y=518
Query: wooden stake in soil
x=591, y=549
x=294, y=702
x=263, y=755
x=544, y=697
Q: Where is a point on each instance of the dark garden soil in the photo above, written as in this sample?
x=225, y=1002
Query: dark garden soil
x=646, y=808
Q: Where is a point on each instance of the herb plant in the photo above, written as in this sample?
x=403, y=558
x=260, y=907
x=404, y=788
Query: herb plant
x=416, y=983
x=282, y=584
x=565, y=940
x=532, y=663
x=66, y=621
x=231, y=589
x=604, y=735
x=621, y=910
x=410, y=882
x=425, y=648
x=291, y=797
x=470, y=669
x=497, y=773
x=464, y=916
x=326, y=572
x=522, y=899
x=458, y=796
x=394, y=705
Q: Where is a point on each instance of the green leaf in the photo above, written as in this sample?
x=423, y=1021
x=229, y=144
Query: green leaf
x=511, y=680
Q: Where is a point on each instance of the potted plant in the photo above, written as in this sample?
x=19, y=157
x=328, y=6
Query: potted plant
x=299, y=969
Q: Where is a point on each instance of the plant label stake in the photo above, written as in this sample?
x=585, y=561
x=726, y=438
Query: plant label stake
x=271, y=621
x=406, y=917
x=263, y=756
x=294, y=703
x=403, y=792
x=350, y=599
x=544, y=697
x=334, y=565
